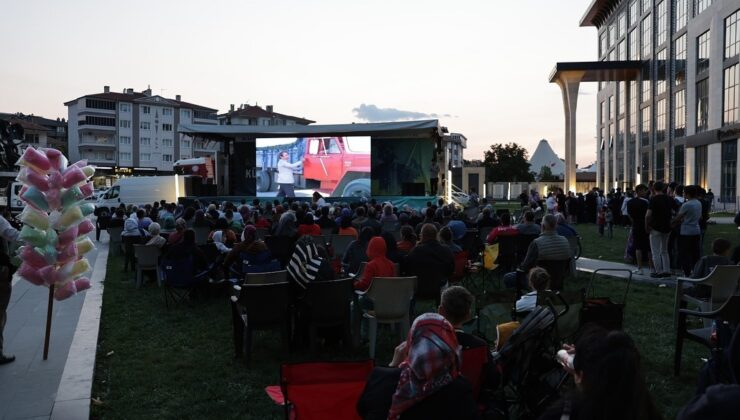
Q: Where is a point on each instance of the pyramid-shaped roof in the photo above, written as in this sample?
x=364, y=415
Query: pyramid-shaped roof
x=544, y=156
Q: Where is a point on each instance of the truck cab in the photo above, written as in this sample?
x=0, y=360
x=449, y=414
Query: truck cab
x=340, y=164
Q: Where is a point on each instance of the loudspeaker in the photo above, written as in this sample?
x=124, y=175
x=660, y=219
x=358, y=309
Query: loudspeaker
x=412, y=189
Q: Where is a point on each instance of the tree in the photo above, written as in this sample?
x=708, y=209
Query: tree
x=546, y=174
x=508, y=162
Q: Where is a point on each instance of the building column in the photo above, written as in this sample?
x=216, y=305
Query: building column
x=689, y=165
x=569, y=84
x=714, y=167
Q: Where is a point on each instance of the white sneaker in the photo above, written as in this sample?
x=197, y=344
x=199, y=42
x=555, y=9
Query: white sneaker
x=637, y=271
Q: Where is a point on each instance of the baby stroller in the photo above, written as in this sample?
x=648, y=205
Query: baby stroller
x=531, y=378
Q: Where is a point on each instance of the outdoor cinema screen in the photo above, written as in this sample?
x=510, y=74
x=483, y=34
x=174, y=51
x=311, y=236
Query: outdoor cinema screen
x=333, y=166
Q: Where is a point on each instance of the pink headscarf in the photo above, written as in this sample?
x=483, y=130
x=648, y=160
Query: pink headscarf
x=433, y=361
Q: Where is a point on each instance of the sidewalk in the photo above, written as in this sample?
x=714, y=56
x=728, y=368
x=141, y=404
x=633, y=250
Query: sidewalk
x=589, y=265
x=30, y=386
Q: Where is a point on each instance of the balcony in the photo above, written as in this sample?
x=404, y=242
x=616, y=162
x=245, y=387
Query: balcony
x=97, y=142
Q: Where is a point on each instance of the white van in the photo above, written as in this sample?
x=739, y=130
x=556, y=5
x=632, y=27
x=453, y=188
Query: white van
x=16, y=205
x=140, y=190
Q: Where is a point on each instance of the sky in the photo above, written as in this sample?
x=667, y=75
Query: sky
x=480, y=67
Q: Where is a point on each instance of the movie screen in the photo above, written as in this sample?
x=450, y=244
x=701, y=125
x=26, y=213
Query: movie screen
x=402, y=167
x=298, y=167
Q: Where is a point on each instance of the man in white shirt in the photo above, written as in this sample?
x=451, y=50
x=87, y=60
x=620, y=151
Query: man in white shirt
x=9, y=233
x=285, y=175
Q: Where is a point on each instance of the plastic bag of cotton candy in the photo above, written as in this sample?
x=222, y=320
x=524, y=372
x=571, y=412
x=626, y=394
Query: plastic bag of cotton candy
x=55, y=222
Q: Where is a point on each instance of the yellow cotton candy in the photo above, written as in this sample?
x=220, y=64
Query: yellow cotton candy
x=89, y=171
x=84, y=246
x=70, y=217
x=35, y=218
x=79, y=267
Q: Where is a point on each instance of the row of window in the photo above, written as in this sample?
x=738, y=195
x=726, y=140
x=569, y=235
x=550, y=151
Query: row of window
x=144, y=125
x=145, y=157
x=147, y=141
x=146, y=109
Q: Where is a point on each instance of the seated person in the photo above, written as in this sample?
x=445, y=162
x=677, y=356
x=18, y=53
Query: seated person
x=539, y=280
x=720, y=256
x=176, y=236
x=356, y=252
x=429, y=259
x=187, y=248
x=155, y=238
x=227, y=236
x=505, y=229
x=378, y=264
x=118, y=218
x=445, y=238
x=423, y=380
x=408, y=240
x=252, y=250
x=564, y=229
x=308, y=227
x=455, y=306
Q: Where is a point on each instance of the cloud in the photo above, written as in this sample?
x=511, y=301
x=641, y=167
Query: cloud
x=371, y=113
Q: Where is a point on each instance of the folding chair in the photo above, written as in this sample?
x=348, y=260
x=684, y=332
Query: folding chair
x=522, y=245
x=328, y=305
x=281, y=248
x=340, y=243
x=201, y=234
x=259, y=306
x=179, y=279
x=115, y=240
x=321, y=390
x=461, y=262
x=147, y=258
x=558, y=271
x=472, y=363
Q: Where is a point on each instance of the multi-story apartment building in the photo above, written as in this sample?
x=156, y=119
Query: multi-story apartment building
x=40, y=131
x=455, y=143
x=255, y=115
x=134, y=132
x=679, y=118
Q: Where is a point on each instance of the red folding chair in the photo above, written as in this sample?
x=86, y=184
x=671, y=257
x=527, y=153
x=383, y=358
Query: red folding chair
x=321, y=390
x=461, y=261
x=472, y=363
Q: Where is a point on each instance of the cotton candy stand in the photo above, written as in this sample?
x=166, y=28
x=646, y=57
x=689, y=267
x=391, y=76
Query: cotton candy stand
x=55, y=225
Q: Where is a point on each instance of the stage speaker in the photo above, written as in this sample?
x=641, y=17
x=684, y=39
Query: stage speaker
x=412, y=189
x=193, y=186
x=208, y=190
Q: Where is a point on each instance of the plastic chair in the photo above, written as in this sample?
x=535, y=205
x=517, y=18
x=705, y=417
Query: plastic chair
x=327, y=231
x=483, y=234
x=147, y=258
x=115, y=240
x=128, y=248
x=723, y=280
x=558, y=271
x=201, y=234
x=328, y=305
x=281, y=248
x=340, y=243
x=258, y=307
x=729, y=312
x=391, y=298
x=266, y=278
x=319, y=240
x=522, y=245
x=262, y=233
x=321, y=390
x=389, y=227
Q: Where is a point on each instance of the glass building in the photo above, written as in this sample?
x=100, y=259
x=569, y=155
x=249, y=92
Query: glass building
x=678, y=118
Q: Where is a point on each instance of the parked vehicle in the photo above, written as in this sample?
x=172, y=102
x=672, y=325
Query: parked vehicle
x=140, y=190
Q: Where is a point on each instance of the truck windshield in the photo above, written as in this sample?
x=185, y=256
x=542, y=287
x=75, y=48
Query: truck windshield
x=357, y=144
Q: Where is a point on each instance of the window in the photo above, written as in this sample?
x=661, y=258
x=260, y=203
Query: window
x=633, y=111
x=622, y=50
x=646, y=126
x=646, y=6
x=31, y=138
x=100, y=104
x=185, y=113
x=622, y=25
x=700, y=166
x=702, y=105
x=204, y=115
x=612, y=108
x=680, y=54
x=645, y=164
x=612, y=34
x=634, y=52
x=124, y=155
x=678, y=165
x=124, y=107
x=124, y=123
x=166, y=158
x=186, y=144
x=146, y=109
x=166, y=127
x=634, y=13
x=732, y=35
x=662, y=23
x=660, y=165
x=167, y=142
x=702, y=56
x=731, y=105
x=145, y=157
x=701, y=5
x=145, y=141
x=145, y=125
x=660, y=120
x=166, y=112
x=646, y=85
x=621, y=109
x=660, y=83
x=100, y=121
x=728, y=180
x=679, y=109
x=647, y=37
x=124, y=140
x=681, y=12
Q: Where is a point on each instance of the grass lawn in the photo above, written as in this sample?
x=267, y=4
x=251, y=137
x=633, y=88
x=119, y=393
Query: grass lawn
x=178, y=363
x=595, y=246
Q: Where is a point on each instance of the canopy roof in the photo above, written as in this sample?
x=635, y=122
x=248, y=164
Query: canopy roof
x=422, y=128
x=599, y=71
x=598, y=12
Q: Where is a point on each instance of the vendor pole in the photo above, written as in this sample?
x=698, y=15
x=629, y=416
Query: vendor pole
x=49, y=310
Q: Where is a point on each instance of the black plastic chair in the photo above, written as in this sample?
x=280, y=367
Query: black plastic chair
x=522, y=245
x=281, y=247
x=327, y=304
x=558, y=271
x=259, y=307
x=506, y=260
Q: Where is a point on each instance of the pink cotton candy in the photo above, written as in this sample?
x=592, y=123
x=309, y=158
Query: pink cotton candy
x=65, y=291
x=67, y=254
x=54, y=198
x=35, y=160
x=56, y=159
x=31, y=274
x=80, y=163
x=85, y=227
x=73, y=176
x=32, y=178
x=49, y=274
x=87, y=189
x=55, y=180
x=83, y=283
x=32, y=258
x=68, y=236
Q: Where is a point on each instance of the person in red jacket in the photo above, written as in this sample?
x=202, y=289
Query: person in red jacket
x=308, y=227
x=504, y=230
x=378, y=264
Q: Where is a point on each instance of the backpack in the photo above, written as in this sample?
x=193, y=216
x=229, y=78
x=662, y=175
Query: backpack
x=490, y=255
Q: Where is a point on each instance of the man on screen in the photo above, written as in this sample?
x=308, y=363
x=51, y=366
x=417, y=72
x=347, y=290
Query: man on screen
x=285, y=175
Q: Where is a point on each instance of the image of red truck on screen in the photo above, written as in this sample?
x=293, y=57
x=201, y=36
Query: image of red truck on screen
x=333, y=166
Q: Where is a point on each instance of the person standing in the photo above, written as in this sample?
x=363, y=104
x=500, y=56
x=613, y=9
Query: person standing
x=689, y=238
x=285, y=175
x=9, y=233
x=637, y=210
x=659, y=214
x=433, y=177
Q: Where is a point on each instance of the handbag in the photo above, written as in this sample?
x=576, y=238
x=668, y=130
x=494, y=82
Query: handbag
x=604, y=311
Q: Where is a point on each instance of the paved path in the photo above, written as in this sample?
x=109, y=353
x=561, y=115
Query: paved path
x=29, y=386
x=619, y=270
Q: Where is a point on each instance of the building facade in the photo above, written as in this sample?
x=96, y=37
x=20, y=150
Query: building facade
x=455, y=143
x=679, y=120
x=135, y=132
x=255, y=115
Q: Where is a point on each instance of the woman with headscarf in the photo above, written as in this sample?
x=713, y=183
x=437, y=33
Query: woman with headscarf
x=224, y=233
x=176, y=236
x=200, y=220
x=252, y=252
x=423, y=380
x=287, y=225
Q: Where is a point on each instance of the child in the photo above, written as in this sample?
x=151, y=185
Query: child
x=609, y=219
x=601, y=220
x=720, y=256
x=539, y=280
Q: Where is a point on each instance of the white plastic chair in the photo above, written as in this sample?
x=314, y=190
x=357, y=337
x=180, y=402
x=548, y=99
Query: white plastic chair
x=723, y=280
x=115, y=240
x=391, y=298
x=147, y=258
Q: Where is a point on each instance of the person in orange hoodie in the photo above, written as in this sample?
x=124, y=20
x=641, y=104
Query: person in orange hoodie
x=378, y=264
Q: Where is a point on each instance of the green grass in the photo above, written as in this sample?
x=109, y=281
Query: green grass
x=178, y=363
x=603, y=248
